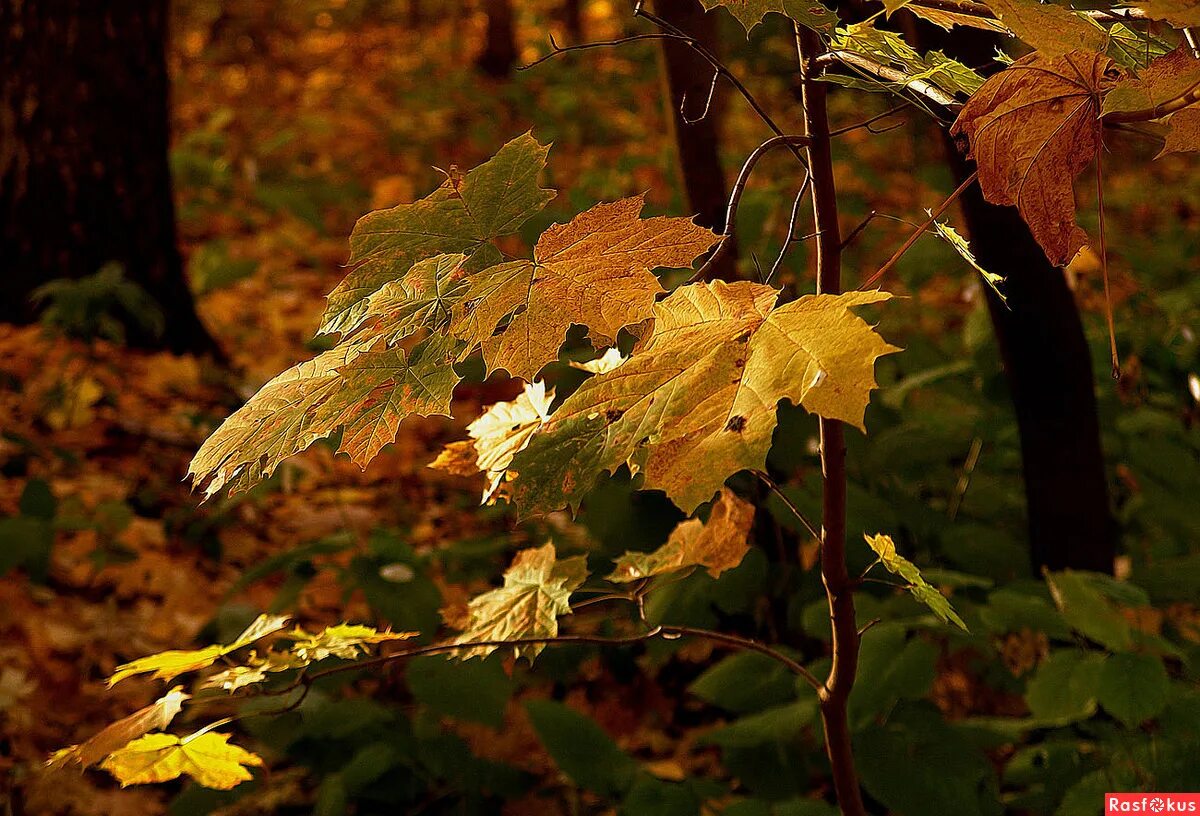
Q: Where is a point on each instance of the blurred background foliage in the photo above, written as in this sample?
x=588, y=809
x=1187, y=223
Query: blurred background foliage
x=293, y=118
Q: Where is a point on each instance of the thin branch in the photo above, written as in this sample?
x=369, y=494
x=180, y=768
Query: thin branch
x=735, y=196
x=1108, y=307
x=791, y=228
x=557, y=50
x=912, y=239
x=788, y=503
x=712, y=91
x=893, y=75
x=869, y=122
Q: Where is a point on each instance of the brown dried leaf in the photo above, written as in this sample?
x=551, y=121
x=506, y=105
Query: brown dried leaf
x=593, y=271
x=1052, y=30
x=1183, y=133
x=1032, y=129
x=1166, y=78
x=154, y=717
x=720, y=543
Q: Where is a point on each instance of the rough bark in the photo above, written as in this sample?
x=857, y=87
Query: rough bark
x=698, y=143
x=84, y=174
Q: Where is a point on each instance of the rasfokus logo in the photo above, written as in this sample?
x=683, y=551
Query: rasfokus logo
x=1151, y=803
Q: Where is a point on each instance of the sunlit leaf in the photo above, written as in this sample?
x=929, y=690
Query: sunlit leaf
x=890, y=49
x=154, y=717
x=345, y=640
x=536, y=592
x=207, y=757
x=593, y=271
x=717, y=544
x=950, y=235
x=166, y=665
x=885, y=549
x=1053, y=30
x=697, y=401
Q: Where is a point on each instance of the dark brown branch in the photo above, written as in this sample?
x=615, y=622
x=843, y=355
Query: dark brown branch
x=735, y=196
x=839, y=588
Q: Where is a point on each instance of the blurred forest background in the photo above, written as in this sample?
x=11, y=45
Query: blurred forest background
x=290, y=119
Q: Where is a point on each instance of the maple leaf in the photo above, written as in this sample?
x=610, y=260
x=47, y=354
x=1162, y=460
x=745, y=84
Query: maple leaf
x=948, y=19
x=885, y=548
x=422, y=299
x=537, y=590
x=365, y=391
x=606, y=362
x=154, y=717
x=1032, y=129
x=1166, y=78
x=1052, y=30
x=1179, y=13
x=696, y=402
x=1183, y=132
x=751, y=12
x=205, y=756
x=256, y=670
x=889, y=48
x=593, y=271
x=170, y=664
x=460, y=216
x=496, y=435
x=718, y=544
x=345, y=640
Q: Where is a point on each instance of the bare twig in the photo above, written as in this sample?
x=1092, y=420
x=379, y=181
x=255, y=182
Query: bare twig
x=921, y=230
x=788, y=503
x=791, y=237
x=735, y=196
x=893, y=75
x=712, y=91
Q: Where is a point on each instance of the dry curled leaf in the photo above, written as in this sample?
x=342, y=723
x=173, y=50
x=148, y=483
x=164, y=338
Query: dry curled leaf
x=593, y=271
x=1051, y=29
x=696, y=402
x=717, y=544
x=1032, y=129
x=1183, y=132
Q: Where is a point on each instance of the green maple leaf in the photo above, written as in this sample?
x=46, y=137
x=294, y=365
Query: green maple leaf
x=696, y=402
x=460, y=216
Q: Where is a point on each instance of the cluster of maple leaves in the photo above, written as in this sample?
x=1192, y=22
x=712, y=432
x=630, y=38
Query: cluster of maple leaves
x=695, y=400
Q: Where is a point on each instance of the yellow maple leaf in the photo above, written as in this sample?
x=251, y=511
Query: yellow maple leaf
x=170, y=664
x=344, y=640
x=696, y=402
x=154, y=717
x=205, y=756
x=720, y=543
x=537, y=590
x=593, y=271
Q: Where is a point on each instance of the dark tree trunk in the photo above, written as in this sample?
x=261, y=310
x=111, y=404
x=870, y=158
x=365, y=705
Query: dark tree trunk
x=1048, y=367
x=84, y=176
x=499, y=55
x=698, y=143
x=572, y=17
x=1049, y=371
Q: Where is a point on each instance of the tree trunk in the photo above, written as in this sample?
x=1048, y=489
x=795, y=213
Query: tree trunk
x=1046, y=361
x=84, y=174
x=572, y=18
x=499, y=55
x=697, y=142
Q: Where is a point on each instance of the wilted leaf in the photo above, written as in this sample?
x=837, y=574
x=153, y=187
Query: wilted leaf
x=751, y=12
x=537, y=590
x=718, y=544
x=593, y=271
x=697, y=401
x=1166, y=78
x=206, y=757
x=154, y=717
x=950, y=235
x=345, y=640
x=167, y=665
x=918, y=587
x=1032, y=129
x=460, y=216
x=1052, y=30
x=367, y=391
